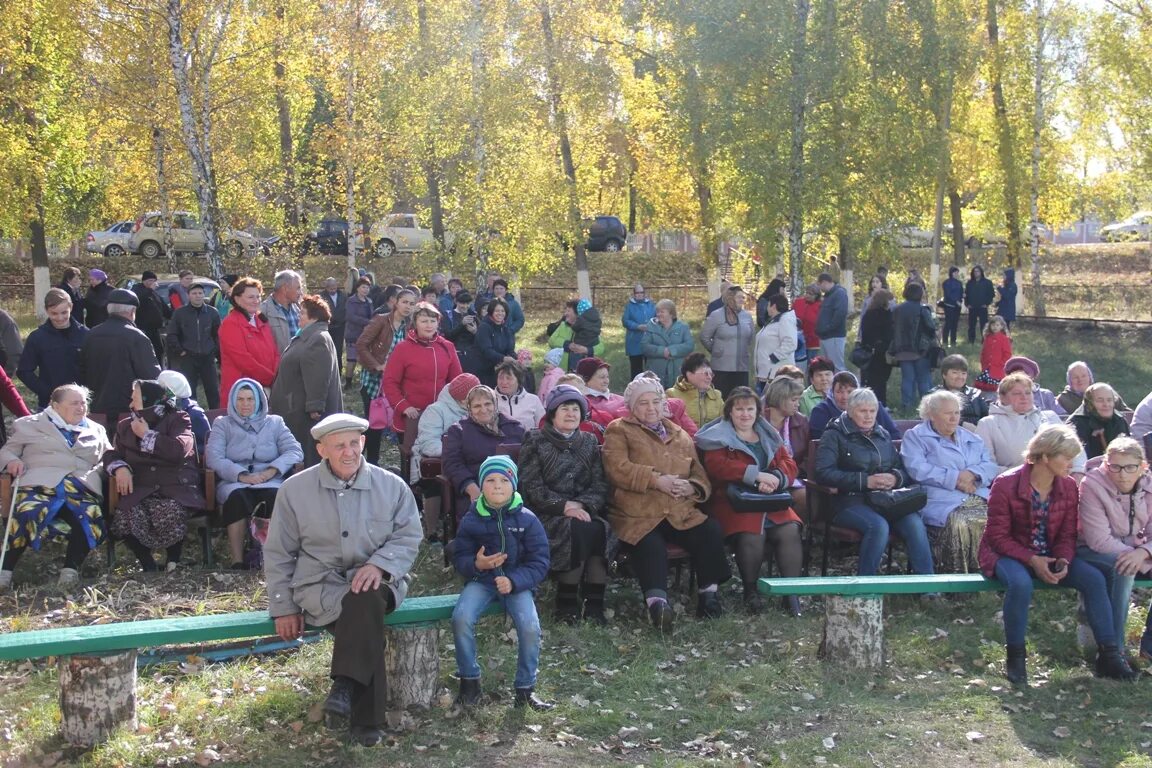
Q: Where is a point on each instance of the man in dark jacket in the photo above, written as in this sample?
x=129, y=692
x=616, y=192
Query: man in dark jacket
x=978, y=295
x=153, y=312
x=462, y=333
x=193, y=344
x=97, y=298
x=337, y=301
x=832, y=322
x=114, y=355
x=52, y=352
x=953, y=298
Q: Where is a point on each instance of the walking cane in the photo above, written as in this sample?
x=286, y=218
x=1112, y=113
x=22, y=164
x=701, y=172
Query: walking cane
x=8, y=520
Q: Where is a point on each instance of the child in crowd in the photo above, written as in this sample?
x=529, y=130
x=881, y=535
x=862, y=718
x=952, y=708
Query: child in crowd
x=586, y=326
x=994, y=354
x=503, y=551
x=552, y=372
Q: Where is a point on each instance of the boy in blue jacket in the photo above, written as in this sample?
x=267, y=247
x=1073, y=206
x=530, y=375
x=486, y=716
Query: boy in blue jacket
x=498, y=523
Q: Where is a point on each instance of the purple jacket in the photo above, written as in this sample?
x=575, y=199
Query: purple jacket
x=466, y=445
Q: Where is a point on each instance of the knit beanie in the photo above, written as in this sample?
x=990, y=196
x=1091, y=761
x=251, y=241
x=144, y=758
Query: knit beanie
x=583, y=306
x=639, y=386
x=587, y=367
x=553, y=356
x=501, y=465
x=460, y=386
x=564, y=393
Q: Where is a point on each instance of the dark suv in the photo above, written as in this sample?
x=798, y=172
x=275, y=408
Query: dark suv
x=606, y=233
x=330, y=237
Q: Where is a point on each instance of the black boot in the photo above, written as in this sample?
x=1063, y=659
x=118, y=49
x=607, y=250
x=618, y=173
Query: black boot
x=469, y=692
x=660, y=611
x=593, y=595
x=790, y=604
x=708, y=605
x=1111, y=663
x=527, y=696
x=338, y=705
x=753, y=603
x=567, y=608
x=1014, y=667
x=366, y=735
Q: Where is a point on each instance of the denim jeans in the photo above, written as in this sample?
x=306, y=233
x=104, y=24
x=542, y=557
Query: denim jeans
x=834, y=350
x=860, y=517
x=915, y=381
x=1082, y=576
x=474, y=598
x=1119, y=586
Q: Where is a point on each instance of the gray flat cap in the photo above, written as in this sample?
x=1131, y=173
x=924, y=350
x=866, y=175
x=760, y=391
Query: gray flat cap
x=338, y=422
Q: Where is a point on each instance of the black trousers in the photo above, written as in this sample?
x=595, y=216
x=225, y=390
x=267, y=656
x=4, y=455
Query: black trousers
x=337, y=334
x=199, y=368
x=976, y=315
x=636, y=362
x=705, y=543
x=73, y=556
x=951, y=325
x=358, y=652
x=242, y=503
x=153, y=335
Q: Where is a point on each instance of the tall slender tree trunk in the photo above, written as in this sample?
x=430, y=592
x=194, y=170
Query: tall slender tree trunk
x=798, y=104
x=701, y=173
x=351, y=142
x=479, y=149
x=956, y=207
x=943, y=171
x=560, y=120
x=41, y=277
x=1038, y=307
x=158, y=150
x=291, y=199
x=1005, y=144
x=430, y=163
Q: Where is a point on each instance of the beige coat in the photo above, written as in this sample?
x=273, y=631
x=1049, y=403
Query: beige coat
x=633, y=458
x=47, y=457
x=322, y=533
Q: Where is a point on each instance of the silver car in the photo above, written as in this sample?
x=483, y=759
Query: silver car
x=111, y=242
x=188, y=236
x=1138, y=226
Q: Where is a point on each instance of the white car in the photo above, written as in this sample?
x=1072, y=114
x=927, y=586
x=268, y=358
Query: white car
x=188, y=236
x=1138, y=226
x=401, y=232
x=111, y=242
x=905, y=235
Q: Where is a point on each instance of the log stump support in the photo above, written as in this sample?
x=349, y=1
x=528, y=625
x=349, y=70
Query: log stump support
x=853, y=631
x=97, y=696
x=412, y=658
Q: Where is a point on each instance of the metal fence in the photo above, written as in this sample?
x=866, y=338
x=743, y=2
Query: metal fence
x=691, y=300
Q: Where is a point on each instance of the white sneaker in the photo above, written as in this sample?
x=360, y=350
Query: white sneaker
x=171, y=566
x=5, y=581
x=69, y=577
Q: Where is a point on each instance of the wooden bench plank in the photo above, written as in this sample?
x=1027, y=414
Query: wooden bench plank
x=864, y=586
x=121, y=636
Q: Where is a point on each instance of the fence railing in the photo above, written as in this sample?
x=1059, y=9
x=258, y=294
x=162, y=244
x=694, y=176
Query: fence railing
x=691, y=300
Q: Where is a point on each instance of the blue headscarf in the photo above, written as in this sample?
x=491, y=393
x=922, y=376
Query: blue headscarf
x=257, y=418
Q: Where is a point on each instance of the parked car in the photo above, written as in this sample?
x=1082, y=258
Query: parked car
x=164, y=282
x=111, y=242
x=330, y=237
x=905, y=235
x=188, y=236
x=1138, y=226
x=402, y=232
x=605, y=233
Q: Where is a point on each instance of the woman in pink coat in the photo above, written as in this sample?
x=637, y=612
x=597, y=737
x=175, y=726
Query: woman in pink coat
x=419, y=367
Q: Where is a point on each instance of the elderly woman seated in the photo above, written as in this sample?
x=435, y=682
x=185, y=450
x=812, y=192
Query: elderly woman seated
x=176, y=383
x=1013, y=421
x=657, y=482
x=1096, y=421
x=562, y=481
x=743, y=450
x=702, y=401
x=513, y=400
x=55, y=456
x=449, y=408
x=251, y=452
x=1116, y=528
x=955, y=468
x=471, y=440
x=844, y=384
x=954, y=379
x=1031, y=534
x=153, y=464
x=856, y=456
x=1079, y=378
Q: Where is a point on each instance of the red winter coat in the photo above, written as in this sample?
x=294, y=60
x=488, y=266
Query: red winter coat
x=725, y=465
x=995, y=352
x=806, y=314
x=246, y=351
x=415, y=373
x=1010, y=520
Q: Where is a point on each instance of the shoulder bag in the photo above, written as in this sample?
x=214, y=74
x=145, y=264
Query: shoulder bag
x=746, y=499
x=898, y=503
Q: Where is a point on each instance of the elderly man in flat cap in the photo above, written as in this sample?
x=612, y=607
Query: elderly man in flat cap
x=343, y=538
x=115, y=354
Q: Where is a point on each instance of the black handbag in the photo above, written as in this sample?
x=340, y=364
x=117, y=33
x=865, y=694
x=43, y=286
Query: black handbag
x=898, y=503
x=746, y=499
x=860, y=356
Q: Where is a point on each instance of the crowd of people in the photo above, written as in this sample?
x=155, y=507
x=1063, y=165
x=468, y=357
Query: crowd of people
x=700, y=455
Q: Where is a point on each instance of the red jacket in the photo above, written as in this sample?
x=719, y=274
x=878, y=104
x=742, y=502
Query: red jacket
x=995, y=352
x=246, y=352
x=415, y=373
x=806, y=314
x=725, y=465
x=10, y=396
x=1010, y=520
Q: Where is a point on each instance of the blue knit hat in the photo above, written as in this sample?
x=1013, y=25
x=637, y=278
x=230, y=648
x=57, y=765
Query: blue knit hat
x=583, y=306
x=502, y=465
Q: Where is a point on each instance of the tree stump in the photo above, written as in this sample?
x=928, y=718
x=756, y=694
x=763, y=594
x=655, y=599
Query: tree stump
x=97, y=695
x=412, y=658
x=853, y=632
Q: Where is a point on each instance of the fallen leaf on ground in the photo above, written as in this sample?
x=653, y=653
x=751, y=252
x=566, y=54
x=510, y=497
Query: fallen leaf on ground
x=1061, y=732
x=975, y=736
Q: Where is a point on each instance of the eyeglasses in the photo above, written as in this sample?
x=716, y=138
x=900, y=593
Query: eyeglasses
x=1128, y=469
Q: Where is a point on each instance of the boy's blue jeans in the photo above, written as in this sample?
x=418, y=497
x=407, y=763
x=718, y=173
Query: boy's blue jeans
x=1082, y=576
x=474, y=598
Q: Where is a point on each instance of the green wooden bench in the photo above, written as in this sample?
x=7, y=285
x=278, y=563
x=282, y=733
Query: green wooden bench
x=97, y=663
x=854, y=607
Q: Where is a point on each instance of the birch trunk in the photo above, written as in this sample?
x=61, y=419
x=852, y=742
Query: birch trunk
x=351, y=138
x=97, y=696
x=942, y=172
x=41, y=278
x=479, y=150
x=412, y=658
x=853, y=632
x=162, y=191
x=430, y=163
x=1038, y=307
x=1005, y=144
x=799, y=99
x=291, y=201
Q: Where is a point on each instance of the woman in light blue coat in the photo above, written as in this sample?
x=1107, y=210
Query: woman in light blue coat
x=666, y=342
x=955, y=467
x=251, y=452
x=637, y=312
